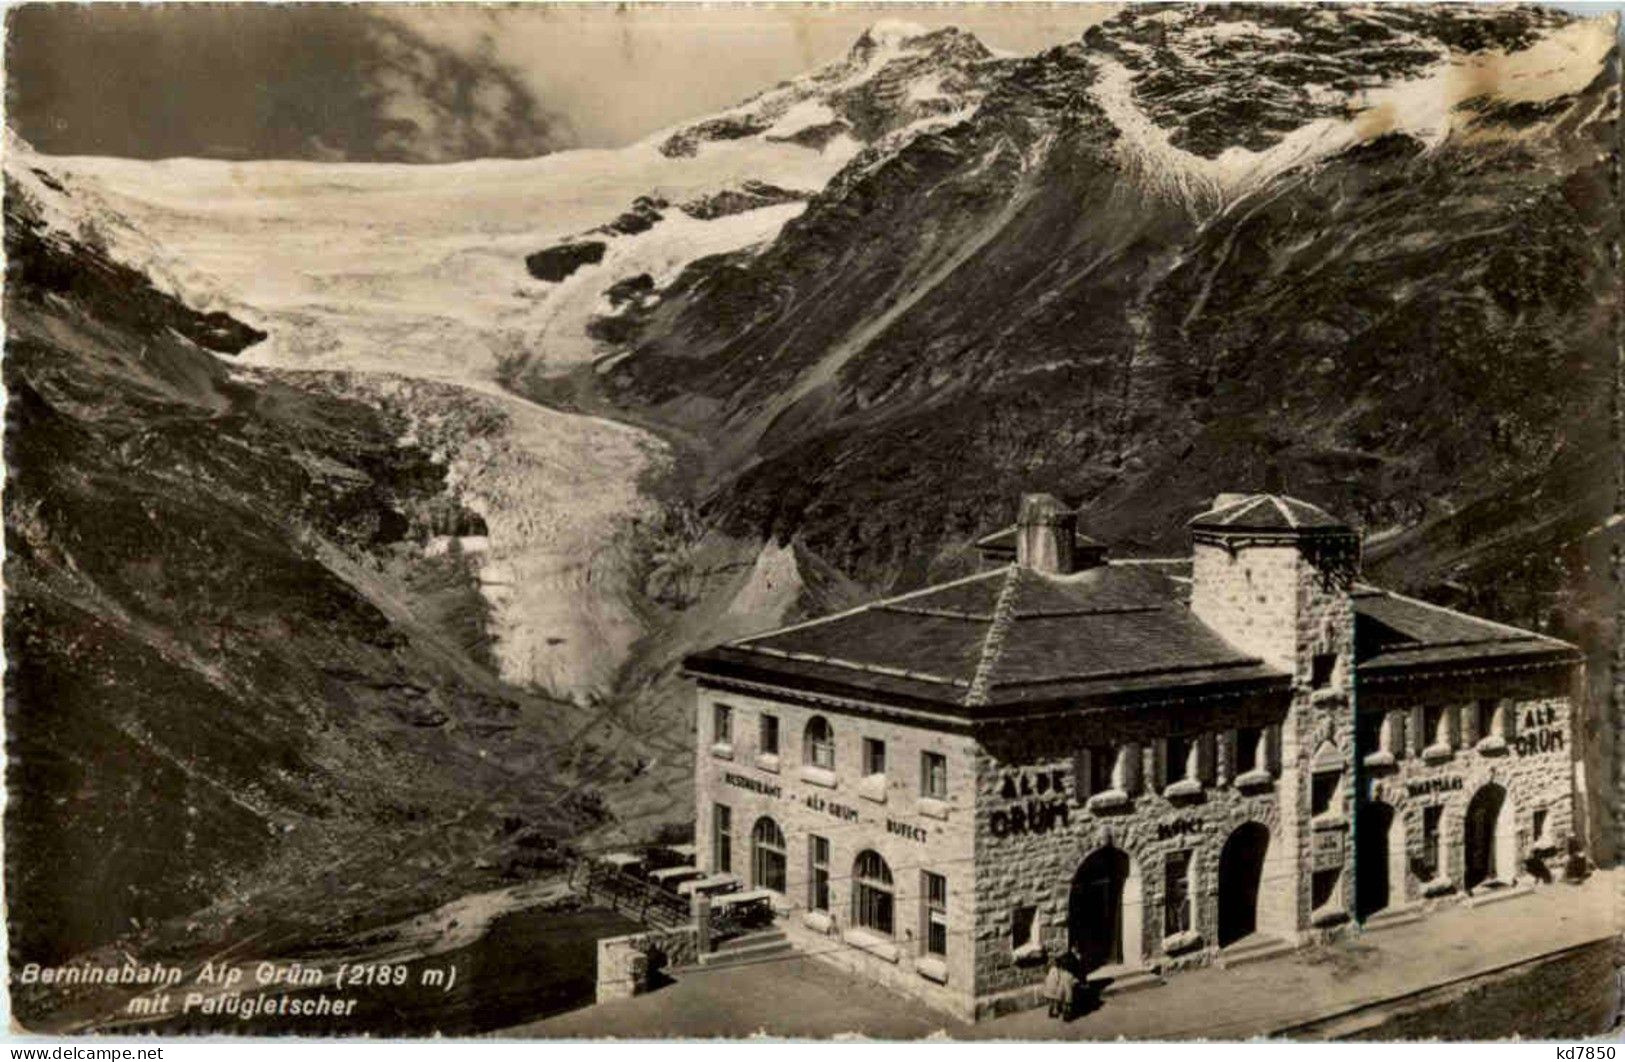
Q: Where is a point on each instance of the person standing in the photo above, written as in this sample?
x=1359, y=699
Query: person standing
x=1054, y=991
x=1071, y=967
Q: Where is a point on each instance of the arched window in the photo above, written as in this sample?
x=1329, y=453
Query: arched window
x=820, y=744
x=872, y=893
x=767, y=861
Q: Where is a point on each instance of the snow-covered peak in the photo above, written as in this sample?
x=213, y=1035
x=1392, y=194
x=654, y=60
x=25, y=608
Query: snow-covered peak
x=892, y=31
x=887, y=35
x=898, y=76
x=1212, y=101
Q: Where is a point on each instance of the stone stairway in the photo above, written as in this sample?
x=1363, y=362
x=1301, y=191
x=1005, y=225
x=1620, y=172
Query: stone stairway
x=1115, y=980
x=746, y=948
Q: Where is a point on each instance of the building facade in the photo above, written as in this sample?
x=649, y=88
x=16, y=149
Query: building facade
x=1149, y=763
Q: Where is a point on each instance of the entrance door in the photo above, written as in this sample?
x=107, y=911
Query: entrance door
x=1371, y=847
x=1483, y=819
x=1095, y=916
x=1241, y=870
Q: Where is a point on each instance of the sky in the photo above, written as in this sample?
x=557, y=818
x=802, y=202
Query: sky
x=426, y=83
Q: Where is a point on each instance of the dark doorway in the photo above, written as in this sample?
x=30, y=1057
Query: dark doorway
x=1241, y=869
x=1095, y=916
x=1483, y=820
x=1371, y=846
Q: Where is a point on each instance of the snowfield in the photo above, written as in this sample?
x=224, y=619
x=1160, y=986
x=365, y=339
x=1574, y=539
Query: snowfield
x=420, y=270
x=406, y=286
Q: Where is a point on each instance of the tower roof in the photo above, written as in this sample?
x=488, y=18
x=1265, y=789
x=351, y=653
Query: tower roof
x=1273, y=513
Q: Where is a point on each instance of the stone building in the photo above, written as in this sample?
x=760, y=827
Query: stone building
x=1155, y=763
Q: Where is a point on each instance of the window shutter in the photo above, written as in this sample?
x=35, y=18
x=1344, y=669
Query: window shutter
x=1467, y=717
x=1452, y=724
x=1159, y=764
x=1418, y=728
x=1509, y=719
x=1081, y=767
x=1205, y=758
x=1397, y=733
x=1272, y=748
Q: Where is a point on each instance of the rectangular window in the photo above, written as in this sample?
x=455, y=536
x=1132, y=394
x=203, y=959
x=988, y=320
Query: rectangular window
x=722, y=724
x=934, y=887
x=1321, y=668
x=874, y=756
x=934, y=775
x=1540, y=826
x=1176, y=896
x=722, y=842
x=1428, y=865
x=1023, y=920
x=1098, y=763
x=1248, y=740
x=1177, y=760
x=769, y=735
x=1323, y=887
x=1323, y=795
x=818, y=873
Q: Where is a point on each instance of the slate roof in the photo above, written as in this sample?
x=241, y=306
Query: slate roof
x=1013, y=639
x=1266, y=512
x=1394, y=634
x=1004, y=639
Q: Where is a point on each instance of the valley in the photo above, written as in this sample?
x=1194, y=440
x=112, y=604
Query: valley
x=388, y=498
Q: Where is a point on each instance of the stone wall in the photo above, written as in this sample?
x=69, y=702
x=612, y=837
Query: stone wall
x=886, y=815
x=1531, y=763
x=1030, y=844
x=1291, y=607
x=626, y=963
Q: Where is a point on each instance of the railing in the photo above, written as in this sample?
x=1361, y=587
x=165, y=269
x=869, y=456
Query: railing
x=642, y=900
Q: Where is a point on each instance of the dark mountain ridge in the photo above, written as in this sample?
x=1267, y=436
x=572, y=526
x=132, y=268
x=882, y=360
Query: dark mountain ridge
x=1398, y=325
x=237, y=687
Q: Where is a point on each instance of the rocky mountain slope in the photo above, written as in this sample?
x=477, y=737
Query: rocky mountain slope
x=250, y=688
x=1364, y=252
x=428, y=290
x=1383, y=270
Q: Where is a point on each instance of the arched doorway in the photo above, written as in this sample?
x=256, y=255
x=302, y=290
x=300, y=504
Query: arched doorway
x=1095, y=923
x=767, y=861
x=1241, y=870
x=1372, y=880
x=1487, y=839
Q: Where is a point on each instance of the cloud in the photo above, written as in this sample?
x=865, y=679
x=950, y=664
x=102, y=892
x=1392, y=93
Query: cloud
x=308, y=81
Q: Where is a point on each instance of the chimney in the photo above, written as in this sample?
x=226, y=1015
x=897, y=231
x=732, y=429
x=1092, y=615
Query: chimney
x=1045, y=534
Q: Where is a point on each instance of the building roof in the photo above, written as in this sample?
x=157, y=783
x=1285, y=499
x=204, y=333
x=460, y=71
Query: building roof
x=1007, y=638
x=1394, y=634
x=1266, y=512
x=1013, y=639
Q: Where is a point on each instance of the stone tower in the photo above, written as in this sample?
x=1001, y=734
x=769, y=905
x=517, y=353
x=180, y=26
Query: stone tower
x=1273, y=576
